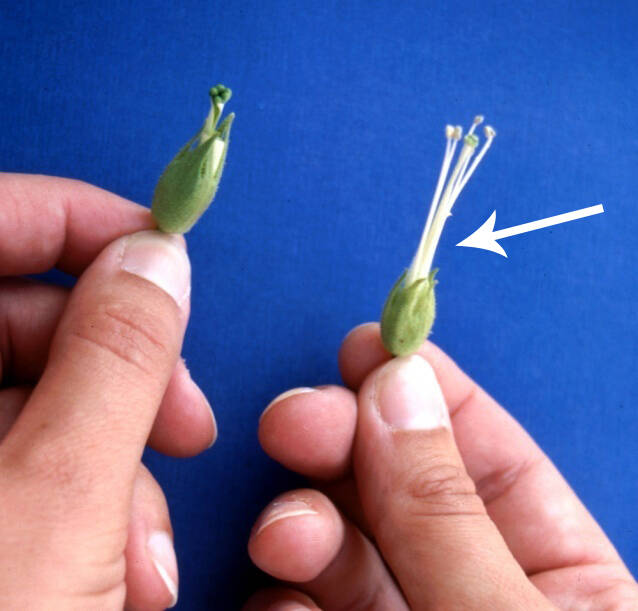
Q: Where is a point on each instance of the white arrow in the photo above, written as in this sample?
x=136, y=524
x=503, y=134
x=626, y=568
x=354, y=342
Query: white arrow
x=485, y=237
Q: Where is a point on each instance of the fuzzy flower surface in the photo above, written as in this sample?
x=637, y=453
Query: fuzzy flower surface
x=409, y=310
x=188, y=184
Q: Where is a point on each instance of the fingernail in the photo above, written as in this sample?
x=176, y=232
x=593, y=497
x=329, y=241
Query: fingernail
x=205, y=401
x=284, y=395
x=408, y=396
x=356, y=329
x=212, y=415
x=282, y=510
x=162, y=553
x=161, y=259
x=185, y=375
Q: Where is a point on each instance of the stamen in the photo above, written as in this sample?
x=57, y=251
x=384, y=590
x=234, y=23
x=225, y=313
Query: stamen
x=447, y=160
x=425, y=255
x=450, y=146
x=477, y=121
x=441, y=206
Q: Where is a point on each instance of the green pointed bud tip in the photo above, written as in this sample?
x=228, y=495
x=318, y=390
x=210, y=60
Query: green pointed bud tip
x=408, y=315
x=471, y=140
x=188, y=184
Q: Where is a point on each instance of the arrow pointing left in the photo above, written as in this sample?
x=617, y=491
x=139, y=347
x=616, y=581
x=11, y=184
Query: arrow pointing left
x=486, y=238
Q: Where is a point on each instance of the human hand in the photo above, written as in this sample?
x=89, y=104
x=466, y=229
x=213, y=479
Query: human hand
x=411, y=516
x=87, y=379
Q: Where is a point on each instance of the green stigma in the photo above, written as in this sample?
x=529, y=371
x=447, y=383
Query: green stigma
x=220, y=94
x=471, y=140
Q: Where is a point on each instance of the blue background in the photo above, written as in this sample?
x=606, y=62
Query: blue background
x=335, y=153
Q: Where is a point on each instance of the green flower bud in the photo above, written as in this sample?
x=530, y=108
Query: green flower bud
x=188, y=184
x=408, y=313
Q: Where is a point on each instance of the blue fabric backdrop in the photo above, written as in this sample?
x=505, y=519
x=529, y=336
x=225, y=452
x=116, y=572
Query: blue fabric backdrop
x=336, y=148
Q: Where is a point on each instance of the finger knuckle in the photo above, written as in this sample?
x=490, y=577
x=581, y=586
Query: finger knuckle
x=129, y=332
x=440, y=489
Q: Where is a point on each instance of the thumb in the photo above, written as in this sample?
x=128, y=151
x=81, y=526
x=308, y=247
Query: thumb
x=429, y=523
x=87, y=421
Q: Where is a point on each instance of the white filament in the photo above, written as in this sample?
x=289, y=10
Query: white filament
x=446, y=194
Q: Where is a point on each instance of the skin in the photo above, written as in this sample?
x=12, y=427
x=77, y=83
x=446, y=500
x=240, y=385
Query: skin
x=82, y=394
x=422, y=519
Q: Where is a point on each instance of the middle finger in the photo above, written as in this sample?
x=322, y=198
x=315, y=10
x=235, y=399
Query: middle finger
x=301, y=537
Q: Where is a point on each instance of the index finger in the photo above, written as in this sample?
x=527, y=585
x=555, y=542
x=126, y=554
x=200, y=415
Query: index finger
x=47, y=221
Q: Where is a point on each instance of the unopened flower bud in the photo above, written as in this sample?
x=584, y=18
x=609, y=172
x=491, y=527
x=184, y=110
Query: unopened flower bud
x=188, y=184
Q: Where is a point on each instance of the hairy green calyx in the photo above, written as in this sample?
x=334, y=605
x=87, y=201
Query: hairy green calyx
x=408, y=314
x=188, y=184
